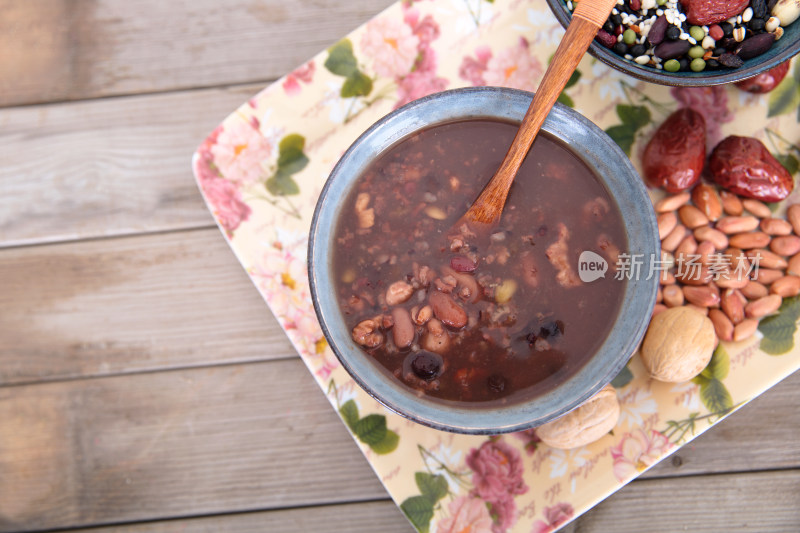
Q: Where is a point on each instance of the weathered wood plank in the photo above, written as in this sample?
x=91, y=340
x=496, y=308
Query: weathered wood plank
x=172, y=444
x=107, y=167
x=227, y=438
x=737, y=502
x=764, y=501
x=120, y=305
x=54, y=50
x=368, y=517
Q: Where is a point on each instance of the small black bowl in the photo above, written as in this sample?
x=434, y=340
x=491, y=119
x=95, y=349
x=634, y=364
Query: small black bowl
x=782, y=50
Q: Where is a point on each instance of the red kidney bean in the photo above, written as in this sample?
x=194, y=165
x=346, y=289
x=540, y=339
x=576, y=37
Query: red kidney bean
x=447, y=310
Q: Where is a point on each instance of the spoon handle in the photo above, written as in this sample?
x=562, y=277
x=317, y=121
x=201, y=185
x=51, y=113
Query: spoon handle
x=587, y=18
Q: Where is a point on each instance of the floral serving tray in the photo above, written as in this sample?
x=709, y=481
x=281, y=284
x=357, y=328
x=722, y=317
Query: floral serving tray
x=262, y=169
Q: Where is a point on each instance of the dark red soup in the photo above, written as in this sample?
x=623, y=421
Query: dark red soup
x=463, y=318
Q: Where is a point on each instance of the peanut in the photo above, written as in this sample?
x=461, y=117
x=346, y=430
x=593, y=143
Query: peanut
x=793, y=216
x=756, y=208
x=786, y=245
x=672, y=296
x=672, y=203
x=658, y=308
x=763, y=306
x=671, y=242
x=705, y=249
x=666, y=223
x=767, y=275
x=723, y=327
x=737, y=224
x=754, y=290
x=687, y=247
x=705, y=296
x=731, y=203
x=786, y=286
x=692, y=217
x=753, y=239
x=776, y=226
x=765, y=258
x=732, y=305
x=707, y=200
x=716, y=237
x=794, y=265
x=745, y=329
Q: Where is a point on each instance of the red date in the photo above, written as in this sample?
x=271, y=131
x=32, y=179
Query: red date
x=674, y=157
x=744, y=166
x=703, y=12
x=766, y=81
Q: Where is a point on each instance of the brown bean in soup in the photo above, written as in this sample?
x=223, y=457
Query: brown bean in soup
x=476, y=319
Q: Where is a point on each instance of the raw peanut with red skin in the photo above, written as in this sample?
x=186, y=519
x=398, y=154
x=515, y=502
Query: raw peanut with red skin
x=763, y=306
x=732, y=305
x=731, y=204
x=692, y=217
x=672, y=296
x=703, y=296
x=658, y=308
x=674, y=238
x=672, y=202
x=754, y=290
x=687, y=247
x=666, y=223
x=694, y=276
x=706, y=12
x=754, y=239
x=723, y=327
x=793, y=216
x=766, y=259
x=787, y=245
x=707, y=200
x=745, y=329
x=736, y=224
x=767, y=275
x=666, y=278
x=705, y=249
x=786, y=286
x=706, y=233
x=744, y=166
x=766, y=81
x=674, y=157
x=776, y=226
x=756, y=208
x=659, y=295
x=794, y=265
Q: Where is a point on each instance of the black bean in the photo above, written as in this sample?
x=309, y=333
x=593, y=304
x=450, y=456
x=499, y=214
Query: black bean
x=658, y=30
x=759, y=8
x=672, y=49
x=719, y=51
x=712, y=64
x=426, y=365
x=684, y=63
x=496, y=383
x=621, y=49
x=551, y=329
x=672, y=33
x=755, y=45
x=730, y=60
x=728, y=43
x=727, y=28
x=616, y=19
x=609, y=27
x=637, y=50
x=756, y=24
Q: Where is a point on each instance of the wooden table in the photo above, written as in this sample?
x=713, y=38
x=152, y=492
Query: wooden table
x=144, y=385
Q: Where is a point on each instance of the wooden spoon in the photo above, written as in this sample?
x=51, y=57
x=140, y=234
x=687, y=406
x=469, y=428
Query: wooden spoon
x=587, y=18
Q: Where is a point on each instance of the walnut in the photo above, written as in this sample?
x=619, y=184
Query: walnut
x=678, y=344
x=587, y=423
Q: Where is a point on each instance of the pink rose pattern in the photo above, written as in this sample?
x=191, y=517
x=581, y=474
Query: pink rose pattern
x=712, y=103
x=467, y=514
x=555, y=516
x=637, y=451
x=304, y=73
x=422, y=80
x=529, y=440
x=497, y=476
x=223, y=197
x=513, y=67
